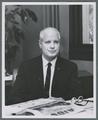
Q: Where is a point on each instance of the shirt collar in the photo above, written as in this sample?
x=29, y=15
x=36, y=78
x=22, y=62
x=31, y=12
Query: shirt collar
x=45, y=62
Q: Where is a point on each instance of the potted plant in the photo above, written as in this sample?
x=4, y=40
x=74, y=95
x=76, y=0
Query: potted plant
x=15, y=15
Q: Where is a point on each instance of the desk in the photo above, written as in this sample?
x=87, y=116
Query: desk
x=47, y=108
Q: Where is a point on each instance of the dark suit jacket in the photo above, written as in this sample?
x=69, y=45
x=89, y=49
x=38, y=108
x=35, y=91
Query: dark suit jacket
x=29, y=82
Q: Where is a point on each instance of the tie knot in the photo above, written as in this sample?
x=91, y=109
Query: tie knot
x=49, y=64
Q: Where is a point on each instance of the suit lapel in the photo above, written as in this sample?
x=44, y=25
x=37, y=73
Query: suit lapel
x=56, y=74
x=40, y=73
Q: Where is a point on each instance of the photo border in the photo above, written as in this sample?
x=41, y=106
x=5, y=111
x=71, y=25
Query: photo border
x=3, y=57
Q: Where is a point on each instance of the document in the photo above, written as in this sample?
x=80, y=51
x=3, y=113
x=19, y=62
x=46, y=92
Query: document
x=51, y=107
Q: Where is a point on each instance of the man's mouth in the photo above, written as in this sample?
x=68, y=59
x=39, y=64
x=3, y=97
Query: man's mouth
x=52, y=51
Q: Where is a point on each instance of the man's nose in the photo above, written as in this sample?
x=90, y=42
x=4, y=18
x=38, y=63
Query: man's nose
x=52, y=45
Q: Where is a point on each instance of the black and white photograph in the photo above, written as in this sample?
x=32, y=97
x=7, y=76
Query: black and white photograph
x=48, y=59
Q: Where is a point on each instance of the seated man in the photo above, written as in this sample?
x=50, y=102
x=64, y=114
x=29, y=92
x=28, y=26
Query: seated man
x=47, y=75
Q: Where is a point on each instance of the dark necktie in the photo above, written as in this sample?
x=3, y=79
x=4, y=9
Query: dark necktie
x=47, y=82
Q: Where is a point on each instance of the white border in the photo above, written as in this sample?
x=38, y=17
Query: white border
x=48, y=3
x=3, y=57
x=94, y=59
x=3, y=49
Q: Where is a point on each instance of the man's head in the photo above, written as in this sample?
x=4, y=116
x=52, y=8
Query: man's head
x=49, y=42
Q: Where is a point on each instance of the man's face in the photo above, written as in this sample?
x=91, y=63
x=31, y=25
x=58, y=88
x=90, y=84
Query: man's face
x=50, y=45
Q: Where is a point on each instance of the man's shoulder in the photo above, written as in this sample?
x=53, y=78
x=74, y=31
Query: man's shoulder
x=32, y=61
x=66, y=62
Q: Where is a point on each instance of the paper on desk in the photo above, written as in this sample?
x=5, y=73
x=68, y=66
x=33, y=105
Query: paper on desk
x=53, y=107
x=16, y=108
x=48, y=107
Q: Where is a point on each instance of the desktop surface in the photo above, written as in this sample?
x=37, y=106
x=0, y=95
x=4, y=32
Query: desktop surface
x=51, y=108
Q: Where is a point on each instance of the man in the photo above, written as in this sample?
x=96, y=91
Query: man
x=38, y=79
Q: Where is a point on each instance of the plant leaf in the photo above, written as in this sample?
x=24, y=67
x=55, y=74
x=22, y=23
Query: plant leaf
x=32, y=15
x=19, y=35
x=14, y=22
x=23, y=15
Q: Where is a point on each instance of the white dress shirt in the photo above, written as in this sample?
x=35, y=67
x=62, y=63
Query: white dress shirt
x=45, y=65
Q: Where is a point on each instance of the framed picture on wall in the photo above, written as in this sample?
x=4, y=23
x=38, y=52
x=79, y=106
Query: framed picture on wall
x=88, y=24
x=82, y=32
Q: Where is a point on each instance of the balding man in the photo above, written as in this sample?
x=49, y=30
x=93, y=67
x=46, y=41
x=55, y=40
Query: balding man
x=47, y=75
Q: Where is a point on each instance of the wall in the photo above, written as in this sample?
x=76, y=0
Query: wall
x=64, y=27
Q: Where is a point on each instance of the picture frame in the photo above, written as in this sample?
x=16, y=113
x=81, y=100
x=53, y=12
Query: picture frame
x=78, y=48
x=84, y=57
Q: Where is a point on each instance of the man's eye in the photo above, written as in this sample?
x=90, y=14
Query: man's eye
x=56, y=42
x=47, y=42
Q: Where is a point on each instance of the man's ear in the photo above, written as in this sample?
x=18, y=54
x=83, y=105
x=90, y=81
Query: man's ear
x=40, y=44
